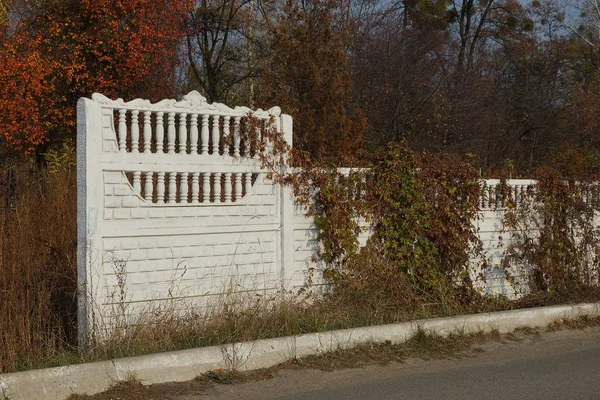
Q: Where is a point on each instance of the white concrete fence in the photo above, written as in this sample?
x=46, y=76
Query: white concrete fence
x=173, y=204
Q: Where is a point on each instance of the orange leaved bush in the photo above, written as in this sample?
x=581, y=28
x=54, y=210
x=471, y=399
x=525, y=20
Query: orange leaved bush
x=72, y=48
x=24, y=95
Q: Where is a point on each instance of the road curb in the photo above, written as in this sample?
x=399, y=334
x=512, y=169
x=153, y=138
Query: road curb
x=183, y=365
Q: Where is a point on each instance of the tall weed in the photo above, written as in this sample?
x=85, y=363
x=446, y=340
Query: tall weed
x=37, y=263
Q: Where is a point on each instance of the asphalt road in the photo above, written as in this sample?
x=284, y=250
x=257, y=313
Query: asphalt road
x=560, y=365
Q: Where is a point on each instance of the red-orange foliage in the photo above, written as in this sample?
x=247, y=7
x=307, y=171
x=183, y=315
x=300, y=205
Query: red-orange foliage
x=72, y=48
x=23, y=95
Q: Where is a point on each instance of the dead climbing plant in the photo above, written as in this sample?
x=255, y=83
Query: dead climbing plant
x=553, y=229
x=418, y=207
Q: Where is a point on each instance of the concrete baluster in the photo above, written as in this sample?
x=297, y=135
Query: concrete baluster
x=148, y=189
x=236, y=136
x=206, y=187
x=194, y=134
x=135, y=132
x=227, y=187
x=204, y=134
x=195, y=188
x=238, y=187
x=147, y=132
x=172, y=187
x=137, y=185
x=217, y=187
x=183, y=187
x=122, y=131
x=182, y=133
x=171, y=133
x=160, y=133
x=160, y=188
x=248, y=183
x=215, y=135
x=226, y=135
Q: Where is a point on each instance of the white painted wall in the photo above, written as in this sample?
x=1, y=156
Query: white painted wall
x=140, y=246
x=135, y=249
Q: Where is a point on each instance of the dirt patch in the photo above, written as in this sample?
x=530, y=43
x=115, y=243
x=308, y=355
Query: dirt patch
x=134, y=390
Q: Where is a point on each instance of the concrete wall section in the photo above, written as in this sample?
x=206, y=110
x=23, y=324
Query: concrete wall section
x=174, y=204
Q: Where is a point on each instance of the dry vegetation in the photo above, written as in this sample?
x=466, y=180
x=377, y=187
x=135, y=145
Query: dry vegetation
x=421, y=345
x=38, y=290
x=37, y=265
x=386, y=282
x=507, y=97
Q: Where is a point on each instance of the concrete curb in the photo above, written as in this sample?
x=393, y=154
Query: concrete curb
x=177, y=366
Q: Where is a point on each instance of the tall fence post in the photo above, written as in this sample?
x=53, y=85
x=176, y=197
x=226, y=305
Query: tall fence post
x=89, y=198
x=286, y=209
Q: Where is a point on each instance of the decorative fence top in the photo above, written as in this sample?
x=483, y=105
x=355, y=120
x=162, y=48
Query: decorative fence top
x=187, y=152
x=192, y=102
x=516, y=191
x=214, y=121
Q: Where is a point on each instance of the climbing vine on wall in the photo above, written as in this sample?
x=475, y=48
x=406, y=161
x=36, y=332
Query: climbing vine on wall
x=419, y=208
x=554, y=230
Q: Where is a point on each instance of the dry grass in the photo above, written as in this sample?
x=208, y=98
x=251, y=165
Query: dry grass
x=577, y=323
x=422, y=345
x=235, y=317
x=239, y=317
x=37, y=265
x=38, y=287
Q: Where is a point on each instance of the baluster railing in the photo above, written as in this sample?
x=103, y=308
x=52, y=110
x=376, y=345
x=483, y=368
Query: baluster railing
x=135, y=132
x=171, y=133
x=205, y=135
x=160, y=132
x=182, y=133
x=148, y=189
x=122, y=131
x=215, y=135
x=194, y=134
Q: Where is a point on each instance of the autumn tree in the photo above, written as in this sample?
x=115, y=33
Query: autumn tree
x=583, y=57
x=395, y=68
x=481, y=79
x=71, y=48
x=26, y=100
x=309, y=78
